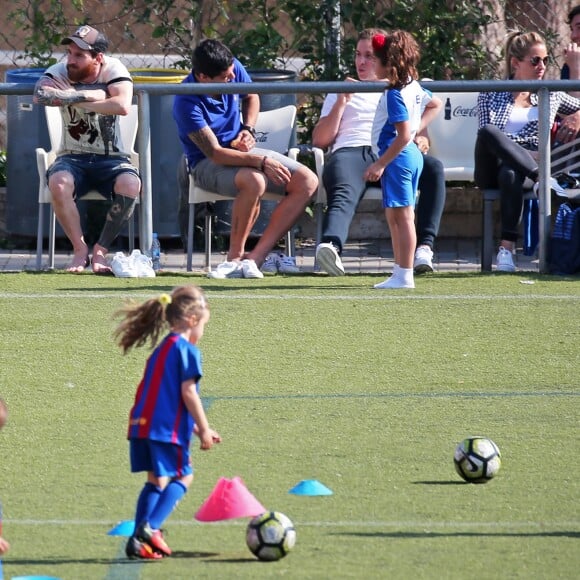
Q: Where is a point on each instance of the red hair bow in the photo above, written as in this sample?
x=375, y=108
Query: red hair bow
x=378, y=41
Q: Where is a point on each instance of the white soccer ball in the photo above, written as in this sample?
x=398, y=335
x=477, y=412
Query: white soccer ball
x=477, y=459
x=270, y=536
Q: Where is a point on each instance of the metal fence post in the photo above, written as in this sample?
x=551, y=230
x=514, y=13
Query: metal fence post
x=545, y=201
x=144, y=146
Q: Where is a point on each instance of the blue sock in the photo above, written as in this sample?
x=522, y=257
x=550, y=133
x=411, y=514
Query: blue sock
x=147, y=501
x=170, y=497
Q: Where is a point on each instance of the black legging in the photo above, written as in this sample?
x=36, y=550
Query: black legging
x=503, y=164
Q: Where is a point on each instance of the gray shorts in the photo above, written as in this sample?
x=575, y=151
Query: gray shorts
x=213, y=177
x=93, y=172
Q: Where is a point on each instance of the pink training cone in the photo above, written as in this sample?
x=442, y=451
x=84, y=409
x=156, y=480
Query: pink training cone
x=229, y=499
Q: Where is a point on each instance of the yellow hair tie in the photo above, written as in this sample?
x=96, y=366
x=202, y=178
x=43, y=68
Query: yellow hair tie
x=165, y=299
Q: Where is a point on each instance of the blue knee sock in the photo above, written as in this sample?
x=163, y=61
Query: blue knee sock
x=147, y=501
x=169, y=499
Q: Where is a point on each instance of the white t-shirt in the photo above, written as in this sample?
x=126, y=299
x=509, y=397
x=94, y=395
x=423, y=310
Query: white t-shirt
x=395, y=106
x=84, y=131
x=357, y=119
x=519, y=118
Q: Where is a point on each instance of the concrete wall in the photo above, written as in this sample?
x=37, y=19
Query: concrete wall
x=461, y=218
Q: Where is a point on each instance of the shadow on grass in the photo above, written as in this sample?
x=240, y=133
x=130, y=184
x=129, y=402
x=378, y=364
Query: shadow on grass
x=428, y=535
x=108, y=561
x=442, y=482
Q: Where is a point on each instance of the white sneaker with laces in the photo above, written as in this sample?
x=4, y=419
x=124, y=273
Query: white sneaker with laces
x=122, y=266
x=250, y=269
x=142, y=264
x=270, y=265
x=505, y=261
x=286, y=264
x=423, y=261
x=227, y=270
x=554, y=186
x=328, y=259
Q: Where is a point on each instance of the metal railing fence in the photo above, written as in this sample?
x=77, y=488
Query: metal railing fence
x=144, y=91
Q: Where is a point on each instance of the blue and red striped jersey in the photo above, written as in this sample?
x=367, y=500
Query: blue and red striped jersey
x=159, y=412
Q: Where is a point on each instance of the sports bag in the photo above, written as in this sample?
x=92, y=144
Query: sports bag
x=565, y=240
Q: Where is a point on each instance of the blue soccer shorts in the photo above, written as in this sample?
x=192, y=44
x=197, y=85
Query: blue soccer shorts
x=162, y=459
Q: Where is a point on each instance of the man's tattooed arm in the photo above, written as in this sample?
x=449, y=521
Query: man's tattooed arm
x=208, y=144
x=206, y=140
x=53, y=97
x=57, y=97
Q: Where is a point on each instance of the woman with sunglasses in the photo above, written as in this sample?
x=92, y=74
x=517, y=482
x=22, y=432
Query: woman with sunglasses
x=506, y=149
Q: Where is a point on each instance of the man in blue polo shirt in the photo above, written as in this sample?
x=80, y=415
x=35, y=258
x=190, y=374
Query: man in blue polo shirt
x=219, y=146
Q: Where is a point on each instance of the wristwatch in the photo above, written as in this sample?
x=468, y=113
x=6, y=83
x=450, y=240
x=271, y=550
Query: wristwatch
x=250, y=130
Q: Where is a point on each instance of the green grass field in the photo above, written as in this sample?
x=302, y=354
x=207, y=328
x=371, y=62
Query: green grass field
x=306, y=377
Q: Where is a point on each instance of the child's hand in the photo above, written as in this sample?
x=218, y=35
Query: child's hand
x=373, y=172
x=207, y=439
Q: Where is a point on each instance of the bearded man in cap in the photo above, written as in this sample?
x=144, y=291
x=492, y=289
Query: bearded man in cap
x=92, y=90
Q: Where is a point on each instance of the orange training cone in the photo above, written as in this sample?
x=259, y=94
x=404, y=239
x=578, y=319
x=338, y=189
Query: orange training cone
x=229, y=499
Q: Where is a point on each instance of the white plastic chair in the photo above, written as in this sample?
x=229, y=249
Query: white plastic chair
x=44, y=159
x=453, y=133
x=274, y=130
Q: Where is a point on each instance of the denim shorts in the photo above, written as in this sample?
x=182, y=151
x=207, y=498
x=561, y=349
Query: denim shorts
x=163, y=459
x=213, y=177
x=93, y=171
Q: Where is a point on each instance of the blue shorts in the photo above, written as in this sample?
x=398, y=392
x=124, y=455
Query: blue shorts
x=213, y=177
x=163, y=459
x=400, y=180
x=93, y=172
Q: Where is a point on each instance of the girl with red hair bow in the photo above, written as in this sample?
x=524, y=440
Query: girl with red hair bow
x=397, y=120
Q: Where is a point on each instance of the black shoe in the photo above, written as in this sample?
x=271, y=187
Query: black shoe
x=137, y=550
x=567, y=181
x=153, y=538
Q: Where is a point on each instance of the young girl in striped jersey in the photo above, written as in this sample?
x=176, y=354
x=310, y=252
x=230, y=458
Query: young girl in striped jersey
x=167, y=408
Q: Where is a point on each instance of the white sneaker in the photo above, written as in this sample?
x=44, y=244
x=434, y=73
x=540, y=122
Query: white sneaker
x=142, y=264
x=423, y=261
x=122, y=266
x=286, y=264
x=505, y=261
x=250, y=269
x=554, y=186
x=227, y=270
x=394, y=283
x=270, y=265
x=328, y=259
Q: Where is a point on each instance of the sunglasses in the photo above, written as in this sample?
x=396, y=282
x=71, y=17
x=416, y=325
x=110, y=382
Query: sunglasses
x=536, y=60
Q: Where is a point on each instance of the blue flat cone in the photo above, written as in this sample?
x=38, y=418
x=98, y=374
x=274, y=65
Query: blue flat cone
x=310, y=487
x=126, y=528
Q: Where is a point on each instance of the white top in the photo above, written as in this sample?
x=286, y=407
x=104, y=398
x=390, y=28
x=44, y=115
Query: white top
x=395, y=106
x=519, y=118
x=357, y=119
x=84, y=131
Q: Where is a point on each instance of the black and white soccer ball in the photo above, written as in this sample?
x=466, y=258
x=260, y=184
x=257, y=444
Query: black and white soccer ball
x=477, y=459
x=270, y=536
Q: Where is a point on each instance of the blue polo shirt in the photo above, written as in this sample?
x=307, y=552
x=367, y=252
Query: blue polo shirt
x=159, y=412
x=220, y=113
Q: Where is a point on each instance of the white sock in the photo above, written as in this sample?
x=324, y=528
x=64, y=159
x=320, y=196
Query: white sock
x=406, y=276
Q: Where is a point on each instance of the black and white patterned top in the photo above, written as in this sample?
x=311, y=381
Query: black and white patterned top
x=496, y=109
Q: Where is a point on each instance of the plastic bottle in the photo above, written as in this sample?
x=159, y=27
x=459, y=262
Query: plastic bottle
x=155, y=252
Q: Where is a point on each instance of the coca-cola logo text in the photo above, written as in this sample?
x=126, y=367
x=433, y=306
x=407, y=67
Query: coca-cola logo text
x=464, y=111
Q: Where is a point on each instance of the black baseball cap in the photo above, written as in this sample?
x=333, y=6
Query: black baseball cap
x=88, y=38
